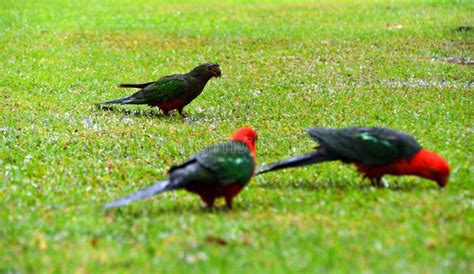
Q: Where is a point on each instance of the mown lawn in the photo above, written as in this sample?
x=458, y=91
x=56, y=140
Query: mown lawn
x=286, y=67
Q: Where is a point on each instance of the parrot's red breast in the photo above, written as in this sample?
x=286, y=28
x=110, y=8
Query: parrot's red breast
x=424, y=163
x=171, y=105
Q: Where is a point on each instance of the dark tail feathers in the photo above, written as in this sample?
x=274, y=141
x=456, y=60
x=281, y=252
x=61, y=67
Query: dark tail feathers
x=135, y=85
x=154, y=189
x=318, y=156
x=124, y=100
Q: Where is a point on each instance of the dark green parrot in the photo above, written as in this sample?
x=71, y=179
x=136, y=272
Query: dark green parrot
x=171, y=92
x=217, y=171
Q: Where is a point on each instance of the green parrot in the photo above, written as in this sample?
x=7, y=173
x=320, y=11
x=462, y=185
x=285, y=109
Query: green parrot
x=171, y=92
x=218, y=171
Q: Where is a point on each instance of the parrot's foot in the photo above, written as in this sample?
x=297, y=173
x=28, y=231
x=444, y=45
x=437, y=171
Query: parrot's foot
x=384, y=183
x=228, y=202
x=379, y=182
x=209, y=201
x=376, y=182
x=181, y=113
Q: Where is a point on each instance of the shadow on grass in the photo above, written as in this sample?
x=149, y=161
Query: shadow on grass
x=361, y=184
x=134, y=211
x=153, y=112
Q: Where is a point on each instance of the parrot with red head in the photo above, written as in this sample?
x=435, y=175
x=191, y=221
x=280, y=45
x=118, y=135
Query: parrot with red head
x=374, y=151
x=221, y=170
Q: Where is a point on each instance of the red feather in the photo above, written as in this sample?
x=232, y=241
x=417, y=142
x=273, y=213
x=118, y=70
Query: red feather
x=424, y=163
x=209, y=192
x=171, y=105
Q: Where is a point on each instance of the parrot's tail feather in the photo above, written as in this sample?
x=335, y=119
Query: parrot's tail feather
x=124, y=100
x=135, y=85
x=154, y=189
x=318, y=156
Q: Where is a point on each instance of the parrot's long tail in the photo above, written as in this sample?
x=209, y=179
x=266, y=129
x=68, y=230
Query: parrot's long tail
x=124, y=100
x=318, y=156
x=135, y=85
x=154, y=189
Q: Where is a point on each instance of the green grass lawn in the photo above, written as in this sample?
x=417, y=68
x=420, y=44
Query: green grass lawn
x=286, y=67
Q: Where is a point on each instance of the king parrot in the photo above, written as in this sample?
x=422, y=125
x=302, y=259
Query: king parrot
x=218, y=171
x=172, y=91
x=374, y=151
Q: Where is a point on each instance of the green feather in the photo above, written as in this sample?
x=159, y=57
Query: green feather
x=164, y=90
x=365, y=136
x=231, y=161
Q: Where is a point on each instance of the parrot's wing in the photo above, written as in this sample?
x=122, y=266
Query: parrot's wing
x=232, y=162
x=164, y=90
x=370, y=146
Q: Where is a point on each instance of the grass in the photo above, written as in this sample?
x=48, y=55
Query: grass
x=286, y=67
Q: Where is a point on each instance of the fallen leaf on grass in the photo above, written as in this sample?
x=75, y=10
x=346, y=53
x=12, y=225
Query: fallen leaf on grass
x=215, y=240
x=110, y=164
x=94, y=241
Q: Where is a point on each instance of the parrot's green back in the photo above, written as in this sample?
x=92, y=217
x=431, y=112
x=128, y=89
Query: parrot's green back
x=375, y=146
x=232, y=162
x=166, y=89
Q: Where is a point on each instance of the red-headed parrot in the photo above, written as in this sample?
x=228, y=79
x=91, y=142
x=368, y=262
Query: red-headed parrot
x=374, y=151
x=218, y=171
x=171, y=92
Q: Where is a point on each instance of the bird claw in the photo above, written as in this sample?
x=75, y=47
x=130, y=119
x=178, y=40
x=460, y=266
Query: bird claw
x=377, y=182
x=384, y=183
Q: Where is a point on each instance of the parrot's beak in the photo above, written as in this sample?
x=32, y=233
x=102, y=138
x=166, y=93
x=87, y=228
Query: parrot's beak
x=216, y=71
x=442, y=182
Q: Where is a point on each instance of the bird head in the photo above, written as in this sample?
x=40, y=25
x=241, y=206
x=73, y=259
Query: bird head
x=248, y=136
x=207, y=70
x=431, y=166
